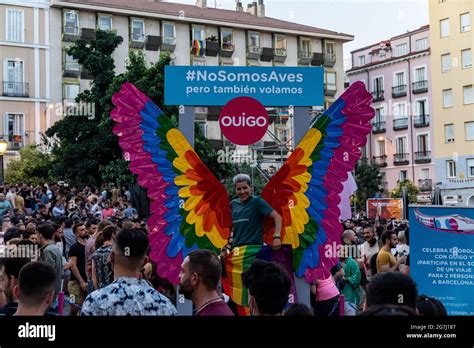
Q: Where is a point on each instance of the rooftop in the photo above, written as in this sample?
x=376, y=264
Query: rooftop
x=198, y=13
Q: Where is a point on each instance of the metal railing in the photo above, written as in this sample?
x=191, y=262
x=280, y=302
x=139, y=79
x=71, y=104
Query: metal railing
x=15, y=89
x=400, y=123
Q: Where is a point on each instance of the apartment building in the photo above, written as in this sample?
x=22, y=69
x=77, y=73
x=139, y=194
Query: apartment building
x=396, y=72
x=198, y=35
x=452, y=80
x=25, y=89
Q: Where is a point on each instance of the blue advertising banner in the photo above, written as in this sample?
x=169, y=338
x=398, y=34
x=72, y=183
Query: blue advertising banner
x=216, y=85
x=442, y=255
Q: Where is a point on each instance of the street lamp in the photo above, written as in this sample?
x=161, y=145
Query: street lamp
x=3, y=149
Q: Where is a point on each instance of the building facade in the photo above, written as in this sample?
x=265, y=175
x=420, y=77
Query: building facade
x=198, y=35
x=25, y=73
x=453, y=102
x=397, y=72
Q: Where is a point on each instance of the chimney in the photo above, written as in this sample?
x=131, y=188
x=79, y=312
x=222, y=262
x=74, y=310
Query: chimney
x=239, y=6
x=252, y=8
x=201, y=3
x=260, y=9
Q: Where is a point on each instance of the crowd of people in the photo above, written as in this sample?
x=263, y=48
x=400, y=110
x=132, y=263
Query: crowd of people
x=90, y=245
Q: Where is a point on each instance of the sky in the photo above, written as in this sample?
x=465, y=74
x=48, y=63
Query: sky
x=369, y=21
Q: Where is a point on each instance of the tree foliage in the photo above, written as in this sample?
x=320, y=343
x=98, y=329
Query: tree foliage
x=33, y=166
x=369, y=180
x=412, y=191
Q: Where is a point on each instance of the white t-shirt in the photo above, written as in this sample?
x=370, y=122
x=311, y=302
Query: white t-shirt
x=367, y=252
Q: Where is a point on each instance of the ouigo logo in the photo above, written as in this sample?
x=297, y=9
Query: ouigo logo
x=244, y=121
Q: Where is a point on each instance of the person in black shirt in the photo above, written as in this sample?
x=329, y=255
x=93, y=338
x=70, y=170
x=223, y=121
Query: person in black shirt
x=77, y=286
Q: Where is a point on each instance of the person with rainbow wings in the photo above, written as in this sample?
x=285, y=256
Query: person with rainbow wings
x=191, y=208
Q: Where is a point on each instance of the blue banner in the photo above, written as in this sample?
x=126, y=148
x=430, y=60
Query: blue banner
x=442, y=255
x=271, y=86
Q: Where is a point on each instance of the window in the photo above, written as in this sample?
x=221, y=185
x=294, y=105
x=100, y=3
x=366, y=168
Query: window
x=420, y=74
x=329, y=48
x=199, y=33
x=399, y=110
x=421, y=109
x=330, y=78
x=377, y=85
x=401, y=145
x=227, y=39
x=423, y=143
x=15, y=25
x=14, y=127
x=470, y=168
x=169, y=33
x=444, y=27
x=445, y=62
x=468, y=94
x=254, y=38
x=449, y=133
x=105, y=22
x=71, y=23
x=70, y=63
x=361, y=60
x=402, y=49
x=14, y=78
x=447, y=98
x=280, y=45
x=138, y=30
x=425, y=174
x=380, y=149
x=203, y=128
x=379, y=115
x=71, y=92
x=399, y=79
x=403, y=176
x=306, y=47
x=421, y=44
x=466, y=57
x=465, y=22
x=469, y=131
x=451, y=169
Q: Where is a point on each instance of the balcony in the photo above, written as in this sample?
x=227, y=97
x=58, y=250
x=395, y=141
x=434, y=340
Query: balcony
x=71, y=33
x=16, y=89
x=420, y=87
x=380, y=161
x=379, y=127
x=401, y=159
x=378, y=96
x=227, y=50
x=153, y=43
x=212, y=48
x=254, y=52
x=329, y=59
x=137, y=40
x=87, y=34
x=421, y=121
x=279, y=55
x=168, y=44
x=304, y=57
x=425, y=184
x=399, y=91
x=423, y=157
x=71, y=69
x=330, y=89
x=267, y=54
x=317, y=59
x=400, y=123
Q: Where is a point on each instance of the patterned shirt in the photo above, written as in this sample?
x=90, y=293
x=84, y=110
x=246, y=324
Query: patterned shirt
x=127, y=296
x=103, y=267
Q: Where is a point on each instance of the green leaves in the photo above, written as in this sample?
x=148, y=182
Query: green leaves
x=368, y=181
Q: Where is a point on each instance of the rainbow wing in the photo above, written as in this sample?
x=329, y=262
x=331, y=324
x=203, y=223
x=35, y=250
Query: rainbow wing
x=190, y=207
x=305, y=191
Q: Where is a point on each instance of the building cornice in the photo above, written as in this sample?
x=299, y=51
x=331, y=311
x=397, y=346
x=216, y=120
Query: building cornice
x=24, y=4
x=22, y=100
x=24, y=45
x=390, y=61
x=186, y=19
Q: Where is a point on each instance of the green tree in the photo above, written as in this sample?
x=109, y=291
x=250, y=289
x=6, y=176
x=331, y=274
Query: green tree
x=369, y=180
x=32, y=166
x=86, y=150
x=412, y=191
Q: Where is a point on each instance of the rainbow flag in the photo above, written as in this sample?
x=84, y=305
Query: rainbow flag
x=240, y=259
x=198, y=48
